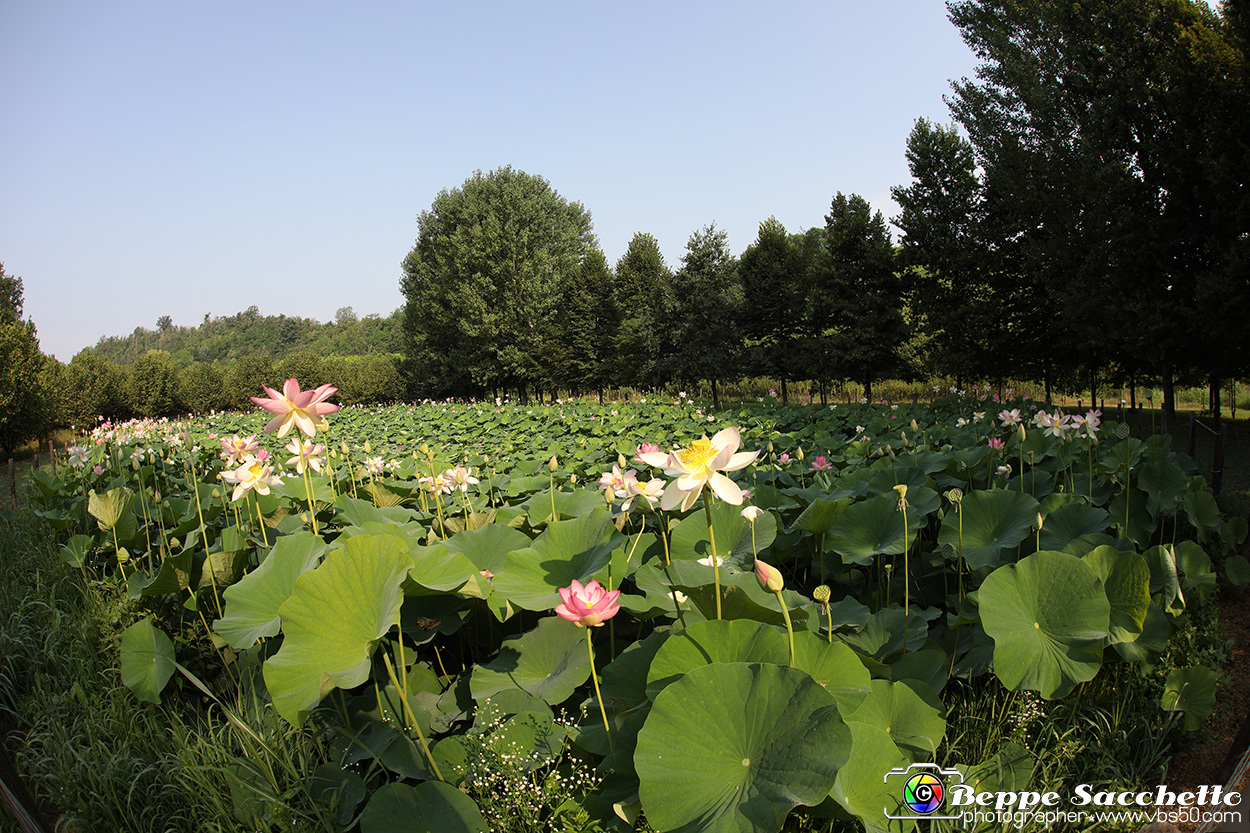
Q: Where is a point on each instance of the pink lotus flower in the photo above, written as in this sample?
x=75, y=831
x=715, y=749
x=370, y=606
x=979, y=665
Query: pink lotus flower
x=996, y=443
x=644, y=448
x=769, y=577
x=236, y=448
x=306, y=454
x=588, y=606
x=253, y=475
x=294, y=407
x=1011, y=417
x=821, y=463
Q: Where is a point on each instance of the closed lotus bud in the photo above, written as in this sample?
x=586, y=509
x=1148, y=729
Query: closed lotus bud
x=620, y=460
x=799, y=453
x=553, y=464
x=1040, y=519
x=1020, y=432
x=572, y=478
x=368, y=450
x=770, y=446
x=769, y=577
x=915, y=427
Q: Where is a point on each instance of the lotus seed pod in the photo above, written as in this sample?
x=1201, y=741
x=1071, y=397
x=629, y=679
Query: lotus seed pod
x=424, y=449
x=821, y=593
x=901, y=489
x=955, y=495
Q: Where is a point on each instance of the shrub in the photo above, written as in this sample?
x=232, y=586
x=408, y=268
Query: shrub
x=200, y=388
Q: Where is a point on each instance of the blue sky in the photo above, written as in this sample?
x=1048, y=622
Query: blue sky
x=187, y=158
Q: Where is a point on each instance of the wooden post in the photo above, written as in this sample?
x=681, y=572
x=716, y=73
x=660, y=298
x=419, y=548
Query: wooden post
x=1193, y=434
x=52, y=456
x=13, y=481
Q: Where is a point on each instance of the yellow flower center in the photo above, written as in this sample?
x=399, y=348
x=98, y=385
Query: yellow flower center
x=698, y=455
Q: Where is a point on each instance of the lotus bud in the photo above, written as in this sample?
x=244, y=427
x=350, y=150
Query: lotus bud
x=769, y=577
x=572, y=478
x=751, y=513
x=1020, y=432
x=621, y=461
x=553, y=464
x=368, y=450
x=799, y=453
x=1040, y=519
x=770, y=446
x=915, y=427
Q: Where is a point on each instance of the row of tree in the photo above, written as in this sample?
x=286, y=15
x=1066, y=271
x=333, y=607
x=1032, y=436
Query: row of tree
x=248, y=333
x=1088, y=217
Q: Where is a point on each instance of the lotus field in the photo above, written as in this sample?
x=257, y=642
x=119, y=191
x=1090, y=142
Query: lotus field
x=642, y=608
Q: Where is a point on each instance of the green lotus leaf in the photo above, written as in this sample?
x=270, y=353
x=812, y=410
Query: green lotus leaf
x=489, y=546
x=1238, y=570
x=909, y=712
x=870, y=528
x=1151, y=643
x=728, y=640
x=821, y=514
x=734, y=747
x=1192, y=691
x=1195, y=565
x=75, y=551
x=339, y=789
x=1130, y=505
x=1203, y=512
x=549, y=662
x=929, y=666
x=438, y=568
x=993, y=520
x=1048, y=616
x=1126, y=579
x=252, y=604
x=883, y=633
x=835, y=666
x=432, y=807
x=1164, y=577
x=1165, y=486
x=566, y=550
x=572, y=504
x=333, y=618
x=733, y=535
x=173, y=576
x=1066, y=523
x=862, y=785
x=147, y=660
x=110, y=508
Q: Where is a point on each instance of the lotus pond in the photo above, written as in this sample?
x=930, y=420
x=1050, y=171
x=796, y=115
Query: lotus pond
x=781, y=614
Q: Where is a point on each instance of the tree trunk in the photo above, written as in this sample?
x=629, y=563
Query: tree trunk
x=1093, y=385
x=1169, y=390
x=823, y=394
x=1046, y=382
x=785, y=392
x=1215, y=382
x=715, y=396
x=868, y=390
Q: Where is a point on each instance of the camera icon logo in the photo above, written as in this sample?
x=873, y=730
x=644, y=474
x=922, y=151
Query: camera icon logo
x=922, y=790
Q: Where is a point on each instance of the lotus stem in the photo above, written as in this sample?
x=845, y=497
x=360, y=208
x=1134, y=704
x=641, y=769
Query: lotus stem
x=590, y=649
x=707, y=511
x=408, y=715
x=785, y=612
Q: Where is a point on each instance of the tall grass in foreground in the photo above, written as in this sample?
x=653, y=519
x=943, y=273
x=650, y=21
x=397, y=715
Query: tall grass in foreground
x=107, y=761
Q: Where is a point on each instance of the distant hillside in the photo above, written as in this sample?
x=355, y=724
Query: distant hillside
x=249, y=333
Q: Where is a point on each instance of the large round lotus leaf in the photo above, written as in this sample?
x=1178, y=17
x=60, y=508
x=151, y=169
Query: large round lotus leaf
x=734, y=747
x=432, y=807
x=624, y=689
x=909, y=712
x=723, y=640
x=549, y=661
x=1126, y=579
x=1153, y=641
x=1191, y=690
x=1141, y=524
x=821, y=514
x=147, y=660
x=733, y=535
x=870, y=528
x=835, y=666
x=1048, y=617
x=1165, y=484
x=332, y=620
x=884, y=632
x=867, y=785
x=566, y=550
x=1203, y=512
x=1068, y=522
x=1164, y=578
x=993, y=520
x=252, y=604
x=489, y=546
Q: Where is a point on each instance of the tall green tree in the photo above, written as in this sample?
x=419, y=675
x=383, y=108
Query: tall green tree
x=1085, y=120
x=857, y=325
x=642, y=296
x=706, y=301
x=24, y=414
x=773, y=271
x=11, y=297
x=484, y=279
